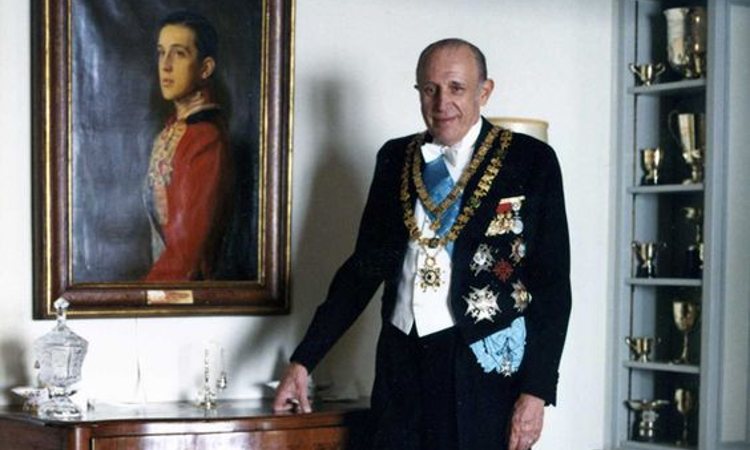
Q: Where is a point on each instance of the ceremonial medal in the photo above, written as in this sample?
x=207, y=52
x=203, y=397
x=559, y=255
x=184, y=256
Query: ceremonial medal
x=517, y=250
x=501, y=224
x=517, y=223
x=495, y=228
x=506, y=366
x=507, y=217
x=521, y=296
x=503, y=270
x=503, y=220
x=482, y=304
x=429, y=274
x=517, y=226
x=482, y=260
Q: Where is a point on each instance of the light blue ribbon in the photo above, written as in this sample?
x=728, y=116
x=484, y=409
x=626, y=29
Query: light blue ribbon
x=502, y=352
x=439, y=183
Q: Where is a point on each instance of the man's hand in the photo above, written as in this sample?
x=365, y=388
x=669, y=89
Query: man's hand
x=291, y=394
x=526, y=425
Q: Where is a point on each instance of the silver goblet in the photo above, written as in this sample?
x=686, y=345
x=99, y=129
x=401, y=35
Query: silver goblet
x=684, y=402
x=691, y=135
x=694, y=265
x=651, y=161
x=685, y=316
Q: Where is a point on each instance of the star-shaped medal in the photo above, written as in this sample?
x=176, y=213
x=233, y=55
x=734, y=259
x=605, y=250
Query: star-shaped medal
x=482, y=259
x=429, y=277
x=482, y=304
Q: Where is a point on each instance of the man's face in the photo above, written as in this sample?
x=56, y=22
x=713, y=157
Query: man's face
x=451, y=94
x=180, y=72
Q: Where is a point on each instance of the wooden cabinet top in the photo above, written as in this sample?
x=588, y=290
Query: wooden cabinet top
x=246, y=421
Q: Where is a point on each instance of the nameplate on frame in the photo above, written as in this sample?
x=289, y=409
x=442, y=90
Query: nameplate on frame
x=184, y=297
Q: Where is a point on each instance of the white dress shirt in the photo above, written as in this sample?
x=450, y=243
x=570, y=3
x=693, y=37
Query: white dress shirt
x=430, y=308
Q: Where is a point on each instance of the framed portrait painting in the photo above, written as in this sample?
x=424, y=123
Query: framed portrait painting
x=161, y=156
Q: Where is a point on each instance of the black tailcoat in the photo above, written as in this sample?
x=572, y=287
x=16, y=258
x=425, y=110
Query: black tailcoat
x=529, y=169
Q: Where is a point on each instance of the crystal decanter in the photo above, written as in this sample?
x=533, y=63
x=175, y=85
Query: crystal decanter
x=59, y=356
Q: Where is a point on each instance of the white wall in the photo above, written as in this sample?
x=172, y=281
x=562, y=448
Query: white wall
x=355, y=68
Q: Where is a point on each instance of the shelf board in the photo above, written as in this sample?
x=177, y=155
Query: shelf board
x=680, y=282
x=663, y=367
x=627, y=445
x=670, y=88
x=666, y=189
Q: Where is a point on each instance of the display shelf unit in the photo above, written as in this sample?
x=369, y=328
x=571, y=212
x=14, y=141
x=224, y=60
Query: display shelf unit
x=713, y=277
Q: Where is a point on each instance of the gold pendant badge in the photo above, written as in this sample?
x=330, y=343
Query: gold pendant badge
x=429, y=275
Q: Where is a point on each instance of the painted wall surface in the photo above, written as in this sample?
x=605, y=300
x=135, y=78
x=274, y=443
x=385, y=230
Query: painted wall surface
x=354, y=76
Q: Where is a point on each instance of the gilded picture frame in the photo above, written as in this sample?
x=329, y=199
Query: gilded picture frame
x=97, y=109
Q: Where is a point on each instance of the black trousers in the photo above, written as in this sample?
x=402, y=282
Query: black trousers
x=431, y=394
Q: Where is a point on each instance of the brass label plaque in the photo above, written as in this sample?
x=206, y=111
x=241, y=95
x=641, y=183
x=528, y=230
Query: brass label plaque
x=183, y=297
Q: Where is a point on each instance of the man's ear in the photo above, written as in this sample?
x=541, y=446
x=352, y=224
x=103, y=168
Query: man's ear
x=207, y=68
x=486, y=90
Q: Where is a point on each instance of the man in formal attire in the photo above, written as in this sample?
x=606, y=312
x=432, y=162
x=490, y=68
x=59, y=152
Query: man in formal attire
x=465, y=224
x=187, y=189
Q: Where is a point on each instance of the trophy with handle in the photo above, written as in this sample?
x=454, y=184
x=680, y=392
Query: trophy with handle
x=647, y=254
x=647, y=73
x=641, y=347
x=647, y=415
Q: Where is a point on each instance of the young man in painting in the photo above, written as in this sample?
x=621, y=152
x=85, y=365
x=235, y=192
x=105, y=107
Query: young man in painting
x=188, y=182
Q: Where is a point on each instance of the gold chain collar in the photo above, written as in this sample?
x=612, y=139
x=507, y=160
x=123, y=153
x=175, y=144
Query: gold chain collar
x=413, y=158
x=438, y=210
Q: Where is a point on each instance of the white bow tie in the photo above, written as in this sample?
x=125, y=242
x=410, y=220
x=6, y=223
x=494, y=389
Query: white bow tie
x=431, y=152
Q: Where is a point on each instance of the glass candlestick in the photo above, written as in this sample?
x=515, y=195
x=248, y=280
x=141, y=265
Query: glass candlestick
x=208, y=394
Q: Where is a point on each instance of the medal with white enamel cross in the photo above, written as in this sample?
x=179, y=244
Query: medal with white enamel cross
x=482, y=259
x=506, y=366
x=482, y=304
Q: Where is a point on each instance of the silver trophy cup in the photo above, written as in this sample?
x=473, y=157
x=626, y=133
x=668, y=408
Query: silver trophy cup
x=645, y=410
x=647, y=73
x=686, y=40
x=647, y=255
x=689, y=130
